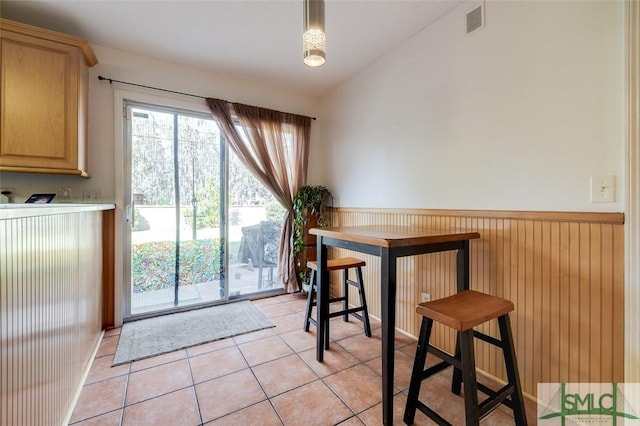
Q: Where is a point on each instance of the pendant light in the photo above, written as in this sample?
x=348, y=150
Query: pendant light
x=314, y=40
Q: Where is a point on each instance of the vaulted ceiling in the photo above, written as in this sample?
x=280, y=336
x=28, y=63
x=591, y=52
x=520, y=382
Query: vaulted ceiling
x=257, y=40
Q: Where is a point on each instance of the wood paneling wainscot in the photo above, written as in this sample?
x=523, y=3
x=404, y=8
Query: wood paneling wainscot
x=563, y=271
x=50, y=309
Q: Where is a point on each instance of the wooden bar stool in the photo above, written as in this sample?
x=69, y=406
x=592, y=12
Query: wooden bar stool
x=344, y=264
x=462, y=312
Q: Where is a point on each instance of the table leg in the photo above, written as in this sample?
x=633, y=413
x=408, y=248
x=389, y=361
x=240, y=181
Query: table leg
x=322, y=305
x=462, y=277
x=388, y=308
x=462, y=267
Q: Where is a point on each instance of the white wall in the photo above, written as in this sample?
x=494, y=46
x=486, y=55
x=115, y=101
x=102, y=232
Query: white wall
x=120, y=65
x=515, y=116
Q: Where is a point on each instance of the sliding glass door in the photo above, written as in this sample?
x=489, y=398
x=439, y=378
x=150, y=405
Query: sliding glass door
x=176, y=220
x=200, y=228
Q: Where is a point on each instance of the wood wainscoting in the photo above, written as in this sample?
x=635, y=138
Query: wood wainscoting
x=563, y=271
x=108, y=271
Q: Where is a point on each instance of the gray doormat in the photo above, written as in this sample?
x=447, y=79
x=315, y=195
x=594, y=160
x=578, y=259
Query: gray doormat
x=154, y=336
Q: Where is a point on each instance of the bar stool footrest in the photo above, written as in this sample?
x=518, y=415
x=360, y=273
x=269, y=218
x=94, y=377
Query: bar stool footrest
x=351, y=311
x=496, y=398
x=353, y=283
x=358, y=316
x=434, y=369
x=432, y=414
x=487, y=338
x=451, y=360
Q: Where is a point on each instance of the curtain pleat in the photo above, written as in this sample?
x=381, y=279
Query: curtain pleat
x=274, y=146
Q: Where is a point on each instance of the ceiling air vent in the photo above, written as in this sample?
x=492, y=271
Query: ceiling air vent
x=474, y=19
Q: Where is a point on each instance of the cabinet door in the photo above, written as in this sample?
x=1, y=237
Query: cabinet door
x=39, y=103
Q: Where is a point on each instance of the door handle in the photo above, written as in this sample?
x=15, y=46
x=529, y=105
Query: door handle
x=127, y=214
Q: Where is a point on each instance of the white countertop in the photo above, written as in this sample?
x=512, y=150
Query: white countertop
x=14, y=211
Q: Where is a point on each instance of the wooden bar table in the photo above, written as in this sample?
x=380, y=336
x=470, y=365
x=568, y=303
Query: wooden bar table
x=389, y=243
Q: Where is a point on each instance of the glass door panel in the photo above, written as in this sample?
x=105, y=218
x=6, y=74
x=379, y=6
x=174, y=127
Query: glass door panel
x=255, y=222
x=177, y=231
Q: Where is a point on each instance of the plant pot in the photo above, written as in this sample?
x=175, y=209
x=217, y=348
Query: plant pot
x=312, y=222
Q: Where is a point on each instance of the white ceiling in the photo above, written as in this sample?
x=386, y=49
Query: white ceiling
x=257, y=40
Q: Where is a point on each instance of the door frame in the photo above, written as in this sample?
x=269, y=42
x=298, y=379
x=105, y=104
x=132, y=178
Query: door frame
x=632, y=210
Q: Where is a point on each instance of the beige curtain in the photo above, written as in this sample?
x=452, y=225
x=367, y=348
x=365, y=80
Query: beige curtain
x=275, y=147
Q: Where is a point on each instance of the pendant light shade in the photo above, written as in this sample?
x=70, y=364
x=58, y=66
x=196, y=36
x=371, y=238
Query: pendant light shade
x=314, y=40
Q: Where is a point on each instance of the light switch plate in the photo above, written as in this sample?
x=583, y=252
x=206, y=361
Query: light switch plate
x=603, y=189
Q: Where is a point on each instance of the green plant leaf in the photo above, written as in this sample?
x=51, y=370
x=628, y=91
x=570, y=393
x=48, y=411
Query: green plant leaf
x=311, y=200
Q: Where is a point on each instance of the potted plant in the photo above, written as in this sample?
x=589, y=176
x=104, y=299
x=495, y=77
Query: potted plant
x=309, y=207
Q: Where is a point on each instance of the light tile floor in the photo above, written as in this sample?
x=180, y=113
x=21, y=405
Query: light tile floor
x=268, y=377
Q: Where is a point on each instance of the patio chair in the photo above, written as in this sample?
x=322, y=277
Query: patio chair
x=259, y=245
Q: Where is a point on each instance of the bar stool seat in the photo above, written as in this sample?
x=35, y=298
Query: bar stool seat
x=360, y=312
x=462, y=312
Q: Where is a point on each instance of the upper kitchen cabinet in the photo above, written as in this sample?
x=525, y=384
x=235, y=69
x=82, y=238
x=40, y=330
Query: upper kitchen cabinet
x=43, y=100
